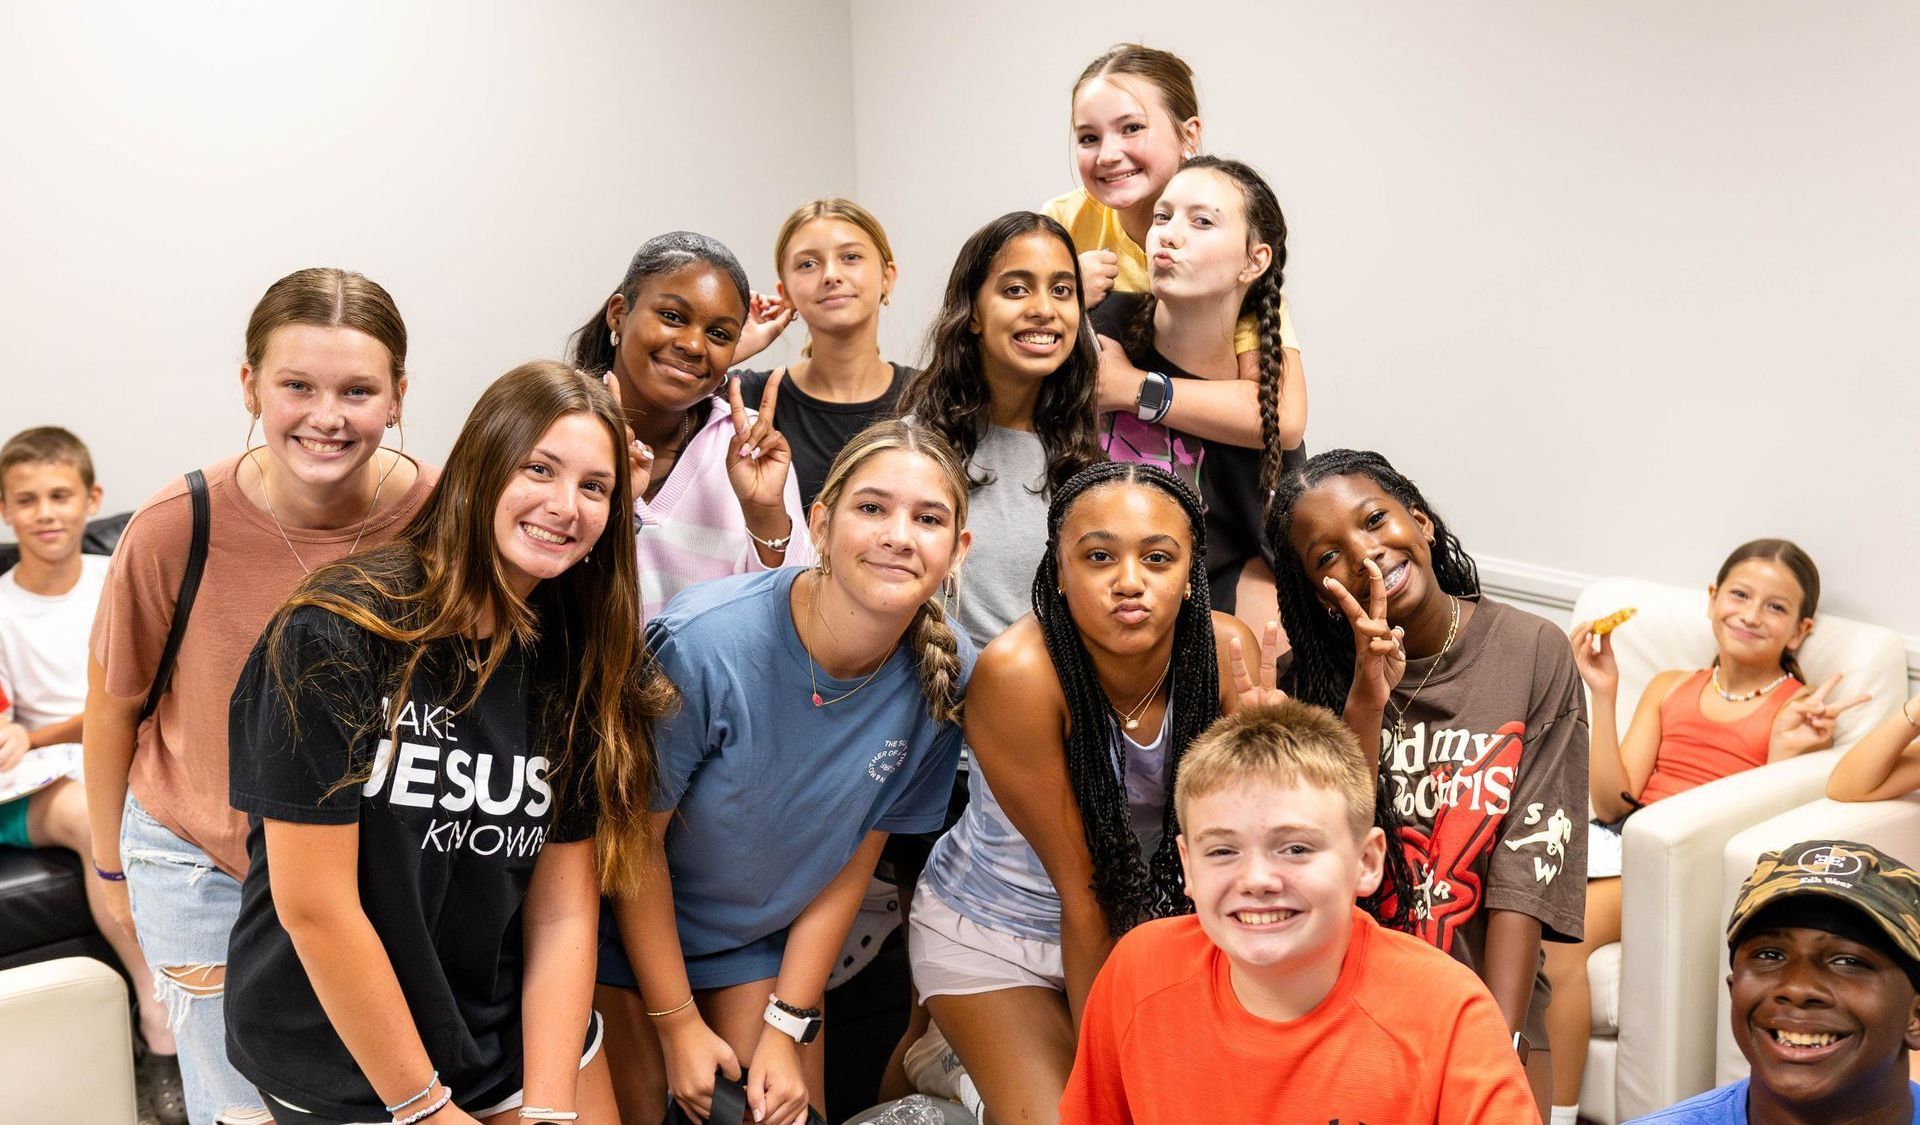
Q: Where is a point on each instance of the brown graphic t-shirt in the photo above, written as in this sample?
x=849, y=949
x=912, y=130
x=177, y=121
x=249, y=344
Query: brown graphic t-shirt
x=1488, y=771
x=179, y=771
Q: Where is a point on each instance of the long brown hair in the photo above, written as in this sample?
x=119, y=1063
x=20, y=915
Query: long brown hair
x=443, y=578
x=935, y=649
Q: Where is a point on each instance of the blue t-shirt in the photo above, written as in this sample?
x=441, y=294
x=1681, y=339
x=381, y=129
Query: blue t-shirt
x=1726, y=1106
x=773, y=795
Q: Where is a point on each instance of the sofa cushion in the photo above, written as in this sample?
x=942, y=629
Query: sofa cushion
x=42, y=899
x=1603, y=980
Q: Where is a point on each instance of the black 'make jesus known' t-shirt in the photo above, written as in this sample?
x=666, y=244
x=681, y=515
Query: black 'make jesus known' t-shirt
x=451, y=822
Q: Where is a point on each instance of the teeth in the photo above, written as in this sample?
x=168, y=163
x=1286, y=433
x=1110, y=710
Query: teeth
x=1263, y=917
x=322, y=446
x=1038, y=337
x=542, y=534
x=1806, y=1039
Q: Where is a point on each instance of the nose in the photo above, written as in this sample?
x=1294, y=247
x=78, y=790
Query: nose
x=1262, y=874
x=1170, y=235
x=327, y=414
x=562, y=500
x=1126, y=578
x=1109, y=151
x=829, y=271
x=897, y=530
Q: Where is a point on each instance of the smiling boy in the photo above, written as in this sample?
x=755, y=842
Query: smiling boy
x=1279, y=1000
x=1825, y=982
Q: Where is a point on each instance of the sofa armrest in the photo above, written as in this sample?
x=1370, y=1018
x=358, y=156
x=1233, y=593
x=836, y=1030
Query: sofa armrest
x=66, y=1044
x=1892, y=826
x=1672, y=957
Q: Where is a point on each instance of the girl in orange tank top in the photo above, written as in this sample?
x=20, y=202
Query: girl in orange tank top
x=1751, y=707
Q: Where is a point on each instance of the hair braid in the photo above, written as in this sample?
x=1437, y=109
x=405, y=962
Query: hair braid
x=937, y=652
x=1130, y=889
x=1265, y=297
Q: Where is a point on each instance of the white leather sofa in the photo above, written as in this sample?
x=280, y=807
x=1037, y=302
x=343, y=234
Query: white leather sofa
x=1656, y=994
x=66, y=1044
x=1891, y=826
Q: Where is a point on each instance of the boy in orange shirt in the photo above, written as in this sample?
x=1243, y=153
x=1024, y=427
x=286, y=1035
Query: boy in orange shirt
x=1280, y=1000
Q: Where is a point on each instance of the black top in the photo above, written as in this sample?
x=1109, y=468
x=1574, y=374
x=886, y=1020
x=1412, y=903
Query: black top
x=815, y=428
x=1226, y=476
x=450, y=828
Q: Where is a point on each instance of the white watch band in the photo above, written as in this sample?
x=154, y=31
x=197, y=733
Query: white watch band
x=797, y=1028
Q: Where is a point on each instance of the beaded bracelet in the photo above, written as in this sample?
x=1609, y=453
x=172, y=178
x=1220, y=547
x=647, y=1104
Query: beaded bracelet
x=431, y=1083
x=439, y=1104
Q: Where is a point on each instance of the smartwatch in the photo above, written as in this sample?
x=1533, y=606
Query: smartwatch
x=802, y=1025
x=1156, y=397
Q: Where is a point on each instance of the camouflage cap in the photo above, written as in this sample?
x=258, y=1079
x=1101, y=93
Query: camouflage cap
x=1882, y=888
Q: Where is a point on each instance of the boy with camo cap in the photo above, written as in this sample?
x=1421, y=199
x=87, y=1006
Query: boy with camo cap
x=1825, y=981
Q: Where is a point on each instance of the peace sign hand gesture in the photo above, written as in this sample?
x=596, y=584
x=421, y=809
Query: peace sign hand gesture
x=758, y=457
x=1806, y=723
x=1248, y=693
x=1379, y=649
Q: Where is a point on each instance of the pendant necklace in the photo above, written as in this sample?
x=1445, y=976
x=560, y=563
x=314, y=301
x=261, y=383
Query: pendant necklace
x=1130, y=718
x=267, y=495
x=1453, y=628
x=1745, y=696
x=813, y=611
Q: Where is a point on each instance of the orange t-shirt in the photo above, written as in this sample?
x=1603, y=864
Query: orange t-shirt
x=1695, y=749
x=1408, y=1035
x=179, y=770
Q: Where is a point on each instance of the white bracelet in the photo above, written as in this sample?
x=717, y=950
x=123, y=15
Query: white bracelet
x=540, y=1113
x=777, y=546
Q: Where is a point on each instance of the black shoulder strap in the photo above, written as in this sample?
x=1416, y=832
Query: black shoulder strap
x=189, y=589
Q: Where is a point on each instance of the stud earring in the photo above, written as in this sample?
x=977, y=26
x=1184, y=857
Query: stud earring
x=392, y=422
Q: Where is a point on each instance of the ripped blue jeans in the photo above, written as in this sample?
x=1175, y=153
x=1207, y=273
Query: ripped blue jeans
x=183, y=909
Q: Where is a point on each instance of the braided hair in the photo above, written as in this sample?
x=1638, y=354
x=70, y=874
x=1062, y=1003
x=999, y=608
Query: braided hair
x=1322, y=669
x=1129, y=888
x=1265, y=225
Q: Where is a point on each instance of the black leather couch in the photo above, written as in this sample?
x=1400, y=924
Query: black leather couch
x=43, y=902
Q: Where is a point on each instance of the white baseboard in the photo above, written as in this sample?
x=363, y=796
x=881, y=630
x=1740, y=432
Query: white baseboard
x=1550, y=592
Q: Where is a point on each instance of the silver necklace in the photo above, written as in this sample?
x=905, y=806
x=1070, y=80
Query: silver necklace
x=267, y=495
x=1745, y=696
x=1453, y=629
x=813, y=611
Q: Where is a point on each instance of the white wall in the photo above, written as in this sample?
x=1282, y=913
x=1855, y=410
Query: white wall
x=494, y=165
x=1618, y=284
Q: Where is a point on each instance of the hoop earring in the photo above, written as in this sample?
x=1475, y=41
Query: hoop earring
x=613, y=337
x=246, y=443
x=1333, y=612
x=825, y=568
x=390, y=422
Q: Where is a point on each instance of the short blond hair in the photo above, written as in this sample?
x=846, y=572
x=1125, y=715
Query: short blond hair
x=1285, y=743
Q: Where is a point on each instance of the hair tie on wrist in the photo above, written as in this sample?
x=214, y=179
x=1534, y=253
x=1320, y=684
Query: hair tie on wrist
x=109, y=876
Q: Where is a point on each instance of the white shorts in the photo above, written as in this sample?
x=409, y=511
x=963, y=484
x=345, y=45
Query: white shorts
x=955, y=956
x=1603, y=851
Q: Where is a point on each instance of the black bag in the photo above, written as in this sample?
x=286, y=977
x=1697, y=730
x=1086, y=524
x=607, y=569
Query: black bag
x=189, y=589
x=729, y=1105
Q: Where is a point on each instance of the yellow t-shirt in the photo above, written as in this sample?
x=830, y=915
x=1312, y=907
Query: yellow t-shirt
x=1095, y=226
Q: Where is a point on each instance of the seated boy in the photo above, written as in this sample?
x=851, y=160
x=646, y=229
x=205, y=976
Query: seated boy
x=47, y=601
x=1825, y=946
x=1280, y=1000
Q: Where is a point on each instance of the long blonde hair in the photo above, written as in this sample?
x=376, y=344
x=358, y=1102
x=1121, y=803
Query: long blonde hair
x=935, y=649
x=829, y=207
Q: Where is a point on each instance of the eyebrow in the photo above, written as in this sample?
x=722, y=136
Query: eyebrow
x=876, y=490
x=677, y=299
x=550, y=455
x=1130, y=115
x=1105, y=536
x=1306, y=832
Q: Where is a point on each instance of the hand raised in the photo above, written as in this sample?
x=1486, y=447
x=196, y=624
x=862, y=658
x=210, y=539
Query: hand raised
x=1807, y=721
x=758, y=457
x=1593, y=658
x=1379, y=649
x=1099, y=269
x=767, y=318
x=1248, y=689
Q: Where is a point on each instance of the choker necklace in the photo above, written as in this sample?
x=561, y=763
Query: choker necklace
x=267, y=495
x=813, y=611
x=1130, y=718
x=1453, y=629
x=1745, y=696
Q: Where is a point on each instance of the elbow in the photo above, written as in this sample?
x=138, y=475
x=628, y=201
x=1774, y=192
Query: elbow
x=1847, y=789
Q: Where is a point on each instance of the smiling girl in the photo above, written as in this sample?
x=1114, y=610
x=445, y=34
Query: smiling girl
x=819, y=715
x=716, y=494
x=1077, y=717
x=836, y=270
x=1010, y=386
x=1475, y=708
x=1135, y=120
x=1749, y=708
x=1218, y=249
x=424, y=739
x=324, y=377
